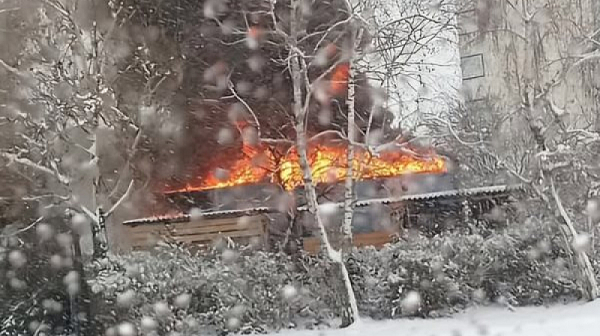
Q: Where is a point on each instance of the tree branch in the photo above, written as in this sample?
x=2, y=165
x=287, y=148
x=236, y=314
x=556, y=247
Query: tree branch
x=121, y=200
x=23, y=229
x=90, y=214
x=586, y=58
x=247, y=106
x=26, y=162
x=10, y=69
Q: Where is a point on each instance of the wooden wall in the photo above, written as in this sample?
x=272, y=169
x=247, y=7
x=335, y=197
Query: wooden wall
x=202, y=232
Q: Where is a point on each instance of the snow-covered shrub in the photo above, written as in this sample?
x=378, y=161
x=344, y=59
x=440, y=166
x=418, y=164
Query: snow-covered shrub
x=228, y=290
x=517, y=266
x=387, y=281
x=37, y=273
x=171, y=289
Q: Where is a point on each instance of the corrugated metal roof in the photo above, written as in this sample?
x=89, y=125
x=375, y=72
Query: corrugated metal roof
x=434, y=195
x=491, y=190
x=208, y=215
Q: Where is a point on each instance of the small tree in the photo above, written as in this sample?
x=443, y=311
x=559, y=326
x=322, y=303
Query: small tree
x=75, y=129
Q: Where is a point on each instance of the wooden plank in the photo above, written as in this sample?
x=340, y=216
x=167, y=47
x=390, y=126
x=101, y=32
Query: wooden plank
x=157, y=231
x=198, y=223
x=213, y=236
x=377, y=242
x=241, y=237
x=376, y=239
x=194, y=223
x=255, y=229
x=142, y=236
x=203, y=229
x=190, y=224
x=218, y=228
x=312, y=245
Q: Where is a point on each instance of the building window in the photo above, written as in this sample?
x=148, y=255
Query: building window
x=472, y=66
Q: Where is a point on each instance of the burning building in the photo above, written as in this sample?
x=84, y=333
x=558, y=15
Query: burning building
x=260, y=198
x=258, y=184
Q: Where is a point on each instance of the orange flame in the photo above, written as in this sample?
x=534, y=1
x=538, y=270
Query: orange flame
x=339, y=79
x=254, y=167
x=255, y=32
x=328, y=164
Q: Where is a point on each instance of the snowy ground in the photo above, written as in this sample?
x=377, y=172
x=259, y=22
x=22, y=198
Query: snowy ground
x=581, y=319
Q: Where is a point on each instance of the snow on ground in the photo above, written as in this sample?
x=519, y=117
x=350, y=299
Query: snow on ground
x=581, y=319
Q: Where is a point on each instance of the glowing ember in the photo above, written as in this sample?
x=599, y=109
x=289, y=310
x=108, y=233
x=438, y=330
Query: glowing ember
x=328, y=164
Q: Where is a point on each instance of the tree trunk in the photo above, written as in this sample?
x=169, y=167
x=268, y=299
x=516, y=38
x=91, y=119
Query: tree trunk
x=349, y=195
x=299, y=74
x=587, y=276
x=346, y=241
x=99, y=236
x=349, y=183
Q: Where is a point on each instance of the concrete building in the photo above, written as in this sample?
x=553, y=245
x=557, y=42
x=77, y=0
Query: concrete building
x=528, y=57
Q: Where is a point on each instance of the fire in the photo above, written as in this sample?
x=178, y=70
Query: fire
x=255, y=166
x=339, y=79
x=327, y=163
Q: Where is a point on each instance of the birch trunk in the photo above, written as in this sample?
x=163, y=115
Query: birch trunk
x=349, y=196
x=299, y=77
x=587, y=276
x=99, y=238
x=349, y=183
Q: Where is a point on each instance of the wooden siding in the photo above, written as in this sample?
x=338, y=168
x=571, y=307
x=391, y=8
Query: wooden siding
x=201, y=232
x=376, y=239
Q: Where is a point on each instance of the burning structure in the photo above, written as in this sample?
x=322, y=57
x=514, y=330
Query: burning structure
x=252, y=189
x=259, y=199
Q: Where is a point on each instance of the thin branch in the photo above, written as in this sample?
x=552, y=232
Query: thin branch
x=276, y=141
x=326, y=73
x=455, y=135
x=87, y=150
x=26, y=162
x=561, y=209
x=121, y=200
x=132, y=152
x=247, y=106
x=10, y=69
x=90, y=214
x=586, y=58
x=39, y=197
x=23, y=229
x=125, y=117
x=6, y=10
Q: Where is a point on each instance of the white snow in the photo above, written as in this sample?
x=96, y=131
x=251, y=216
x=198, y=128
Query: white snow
x=581, y=319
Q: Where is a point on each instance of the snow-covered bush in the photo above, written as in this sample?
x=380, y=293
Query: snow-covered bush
x=518, y=266
x=226, y=290
x=38, y=272
x=171, y=289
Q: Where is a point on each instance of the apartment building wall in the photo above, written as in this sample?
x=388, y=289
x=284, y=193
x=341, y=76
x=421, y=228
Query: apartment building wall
x=514, y=52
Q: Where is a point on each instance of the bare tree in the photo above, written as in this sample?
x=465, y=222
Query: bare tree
x=69, y=78
x=540, y=121
x=412, y=58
